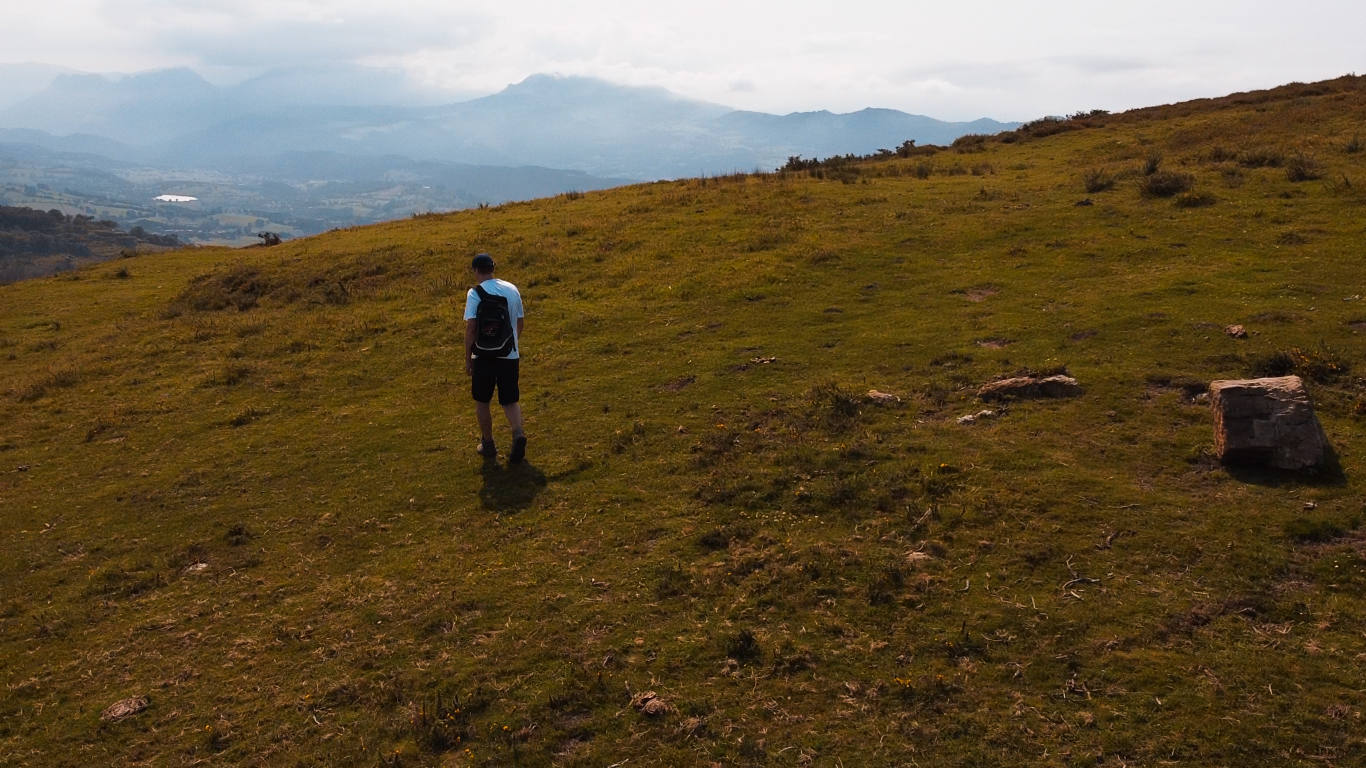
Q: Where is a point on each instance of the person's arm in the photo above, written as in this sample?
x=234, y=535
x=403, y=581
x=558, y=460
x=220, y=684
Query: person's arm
x=469, y=345
x=519, y=328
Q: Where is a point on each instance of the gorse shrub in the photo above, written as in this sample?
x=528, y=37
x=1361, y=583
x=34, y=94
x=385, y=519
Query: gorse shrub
x=1303, y=167
x=1047, y=126
x=831, y=407
x=1195, y=200
x=1166, y=183
x=1321, y=364
x=1097, y=180
x=972, y=142
x=1221, y=154
x=742, y=646
x=240, y=288
x=1151, y=165
x=1261, y=158
x=44, y=385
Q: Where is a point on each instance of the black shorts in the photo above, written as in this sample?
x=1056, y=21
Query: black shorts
x=490, y=372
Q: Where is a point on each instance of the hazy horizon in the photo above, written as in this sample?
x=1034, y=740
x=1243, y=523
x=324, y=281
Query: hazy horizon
x=1008, y=61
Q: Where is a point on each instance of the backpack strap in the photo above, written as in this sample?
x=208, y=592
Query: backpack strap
x=483, y=294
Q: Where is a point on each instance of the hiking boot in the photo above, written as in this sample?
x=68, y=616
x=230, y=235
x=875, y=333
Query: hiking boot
x=518, y=449
x=487, y=449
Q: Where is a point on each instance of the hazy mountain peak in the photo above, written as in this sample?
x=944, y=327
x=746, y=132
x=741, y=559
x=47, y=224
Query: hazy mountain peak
x=176, y=77
x=77, y=81
x=348, y=86
x=581, y=88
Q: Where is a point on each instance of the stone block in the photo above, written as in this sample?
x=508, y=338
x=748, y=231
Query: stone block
x=1270, y=422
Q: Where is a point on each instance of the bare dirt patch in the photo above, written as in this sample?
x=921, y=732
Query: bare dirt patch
x=679, y=384
x=980, y=293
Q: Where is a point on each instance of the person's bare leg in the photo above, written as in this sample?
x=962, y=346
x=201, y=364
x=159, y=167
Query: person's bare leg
x=484, y=414
x=514, y=414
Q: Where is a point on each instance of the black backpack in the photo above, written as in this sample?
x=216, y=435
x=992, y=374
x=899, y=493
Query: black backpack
x=492, y=326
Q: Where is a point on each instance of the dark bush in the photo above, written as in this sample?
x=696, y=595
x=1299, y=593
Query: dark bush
x=1314, y=531
x=743, y=646
x=1097, y=180
x=830, y=407
x=1195, y=200
x=1303, y=167
x=1220, y=154
x=909, y=149
x=240, y=288
x=1320, y=365
x=1047, y=126
x=1261, y=158
x=1166, y=183
x=972, y=142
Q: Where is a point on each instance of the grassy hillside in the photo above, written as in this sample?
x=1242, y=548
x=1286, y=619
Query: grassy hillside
x=241, y=483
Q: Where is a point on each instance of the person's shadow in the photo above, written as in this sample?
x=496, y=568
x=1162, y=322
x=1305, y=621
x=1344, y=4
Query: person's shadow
x=510, y=487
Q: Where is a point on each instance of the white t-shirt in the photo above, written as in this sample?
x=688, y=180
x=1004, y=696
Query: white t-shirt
x=507, y=290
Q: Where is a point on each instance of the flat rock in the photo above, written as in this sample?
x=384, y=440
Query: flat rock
x=1268, y=422
x=973, y=418
x=883, y=398
x=1030, y=387
x=649, y=703
x=125, y=708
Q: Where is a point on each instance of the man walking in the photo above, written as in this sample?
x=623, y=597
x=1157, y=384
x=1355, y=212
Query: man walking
x=493, y=331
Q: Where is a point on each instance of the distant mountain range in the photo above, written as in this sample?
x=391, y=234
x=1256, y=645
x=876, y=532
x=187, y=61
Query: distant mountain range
x=304, y=150
x=177, y=117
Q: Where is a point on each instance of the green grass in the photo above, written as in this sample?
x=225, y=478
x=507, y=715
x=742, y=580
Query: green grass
x=241, y=482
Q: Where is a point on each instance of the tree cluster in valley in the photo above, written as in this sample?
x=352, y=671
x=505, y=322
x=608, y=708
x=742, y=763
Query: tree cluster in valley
x=34, y=243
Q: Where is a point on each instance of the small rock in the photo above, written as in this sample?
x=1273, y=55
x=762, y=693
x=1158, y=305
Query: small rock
x=975, y=417
x=649, y=703
x=1030, y=387
x=883, y=398
x=124, y=709
x=1236, y=331
x=994, y=343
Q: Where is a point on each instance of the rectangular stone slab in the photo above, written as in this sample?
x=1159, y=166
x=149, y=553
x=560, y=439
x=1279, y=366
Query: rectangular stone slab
x=1266, y=421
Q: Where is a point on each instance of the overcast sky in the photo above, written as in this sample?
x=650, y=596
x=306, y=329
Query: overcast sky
x=1011, y=60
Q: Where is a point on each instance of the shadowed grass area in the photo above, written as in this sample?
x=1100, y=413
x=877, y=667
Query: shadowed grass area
x=241, y=482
